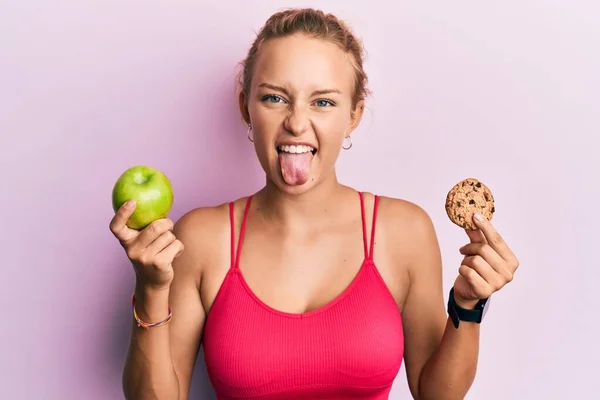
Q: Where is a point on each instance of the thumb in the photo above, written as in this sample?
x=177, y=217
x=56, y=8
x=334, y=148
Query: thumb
x=118, y=224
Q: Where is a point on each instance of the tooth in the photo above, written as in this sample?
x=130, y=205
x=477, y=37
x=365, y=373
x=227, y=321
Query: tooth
x=295, y=149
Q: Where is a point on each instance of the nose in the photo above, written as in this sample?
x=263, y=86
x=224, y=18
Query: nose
x=297, y=122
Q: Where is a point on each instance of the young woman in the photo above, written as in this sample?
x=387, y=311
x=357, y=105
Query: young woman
x=306, y=289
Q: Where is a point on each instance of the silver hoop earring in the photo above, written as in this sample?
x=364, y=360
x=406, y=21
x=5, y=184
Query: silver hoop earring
x=347, y=144
x=249, y=131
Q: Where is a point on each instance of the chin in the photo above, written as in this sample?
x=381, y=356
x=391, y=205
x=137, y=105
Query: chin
x=298, y=189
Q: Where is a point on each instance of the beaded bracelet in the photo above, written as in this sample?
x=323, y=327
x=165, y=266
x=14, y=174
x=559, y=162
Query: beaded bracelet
x=146, y=325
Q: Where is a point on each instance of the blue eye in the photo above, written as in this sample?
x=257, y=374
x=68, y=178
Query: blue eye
x=272, y=99
x=324, y=103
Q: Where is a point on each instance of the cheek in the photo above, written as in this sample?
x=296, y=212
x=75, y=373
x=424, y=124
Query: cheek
x=261, y=124
x=333, y=129
x=262, y=145
x=264, y=132
x=264, y=119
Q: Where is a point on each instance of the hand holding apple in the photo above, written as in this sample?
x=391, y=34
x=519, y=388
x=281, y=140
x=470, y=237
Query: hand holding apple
x=142, y=198
x=151, y=250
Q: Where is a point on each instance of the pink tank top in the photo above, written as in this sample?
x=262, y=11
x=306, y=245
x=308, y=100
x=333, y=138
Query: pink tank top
x=351, y=348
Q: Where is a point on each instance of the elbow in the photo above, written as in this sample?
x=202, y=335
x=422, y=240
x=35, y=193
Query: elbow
x=135, y=389
x=427, y=390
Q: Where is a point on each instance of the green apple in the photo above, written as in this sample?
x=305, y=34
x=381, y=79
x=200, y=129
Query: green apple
x=151, y=190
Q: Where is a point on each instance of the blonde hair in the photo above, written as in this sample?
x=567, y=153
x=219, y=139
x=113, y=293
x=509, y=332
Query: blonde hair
x=315, y=24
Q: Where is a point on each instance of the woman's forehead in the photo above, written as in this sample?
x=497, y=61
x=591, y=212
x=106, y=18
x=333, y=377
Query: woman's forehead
x=304, y=63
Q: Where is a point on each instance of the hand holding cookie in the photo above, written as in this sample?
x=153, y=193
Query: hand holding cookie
x=489, y=263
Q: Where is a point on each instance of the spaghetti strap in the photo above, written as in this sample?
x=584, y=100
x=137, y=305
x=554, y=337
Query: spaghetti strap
x=364, y=224
x=236, y=259
x=368, y=250
x=373, y=228
x=232, y=229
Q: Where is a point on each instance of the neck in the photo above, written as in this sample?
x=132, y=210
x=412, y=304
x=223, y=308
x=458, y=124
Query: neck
x=306, y=208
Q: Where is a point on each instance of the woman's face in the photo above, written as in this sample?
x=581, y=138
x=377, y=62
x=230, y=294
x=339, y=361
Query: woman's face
x=300, y=108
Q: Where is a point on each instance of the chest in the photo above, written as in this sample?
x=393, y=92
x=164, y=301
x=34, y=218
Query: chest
x=353, y=343
x=298, y=274
x=301, y=273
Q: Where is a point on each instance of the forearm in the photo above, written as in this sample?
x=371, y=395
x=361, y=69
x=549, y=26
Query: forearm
x=148, y=371
x=450, y=371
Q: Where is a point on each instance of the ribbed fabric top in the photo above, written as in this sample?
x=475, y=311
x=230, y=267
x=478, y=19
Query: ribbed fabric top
x=351, y=348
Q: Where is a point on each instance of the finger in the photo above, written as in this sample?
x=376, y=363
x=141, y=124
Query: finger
x=118, y=223
x=493, y=238
x=165, y=258
x=484, y=270
x=479, y=286
x=153, y=231
x=475, y=236
x=160, y=243
x=486, y=252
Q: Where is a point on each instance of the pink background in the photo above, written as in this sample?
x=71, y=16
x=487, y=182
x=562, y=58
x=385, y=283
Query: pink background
x=506, y=92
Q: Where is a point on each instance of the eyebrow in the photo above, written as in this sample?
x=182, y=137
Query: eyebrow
x=283, y=90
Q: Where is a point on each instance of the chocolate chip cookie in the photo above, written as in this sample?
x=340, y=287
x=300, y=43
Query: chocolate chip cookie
x=466, y=198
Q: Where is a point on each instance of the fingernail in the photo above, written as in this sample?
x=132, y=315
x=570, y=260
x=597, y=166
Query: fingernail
x=478, y=217
x=129, y=203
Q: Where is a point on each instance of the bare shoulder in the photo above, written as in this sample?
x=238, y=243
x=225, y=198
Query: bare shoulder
x=204, y=232
x=410, y=229
x=201, y=221
x=406, y=219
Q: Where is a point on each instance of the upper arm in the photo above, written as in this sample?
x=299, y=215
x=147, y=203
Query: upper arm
x=423, y=314
x=188, y=312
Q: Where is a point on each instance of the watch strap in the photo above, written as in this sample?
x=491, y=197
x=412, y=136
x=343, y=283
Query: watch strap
x=457, y=313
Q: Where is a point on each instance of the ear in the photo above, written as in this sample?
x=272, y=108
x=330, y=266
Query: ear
x=244, y=107
x=356, y=115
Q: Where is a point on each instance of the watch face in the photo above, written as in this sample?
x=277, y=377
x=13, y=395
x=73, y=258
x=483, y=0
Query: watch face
x=485, y=308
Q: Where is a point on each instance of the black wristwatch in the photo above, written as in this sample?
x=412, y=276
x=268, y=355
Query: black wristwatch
x=458, y=313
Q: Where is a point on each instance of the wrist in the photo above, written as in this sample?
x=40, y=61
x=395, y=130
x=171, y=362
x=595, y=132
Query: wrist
x=467, y=304
x=466, y=310
x=151, y=304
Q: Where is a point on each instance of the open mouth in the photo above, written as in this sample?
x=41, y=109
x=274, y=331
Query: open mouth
x=295, y=162
x=296, y=149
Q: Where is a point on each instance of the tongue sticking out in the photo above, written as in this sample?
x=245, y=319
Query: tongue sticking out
x=295, y=168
